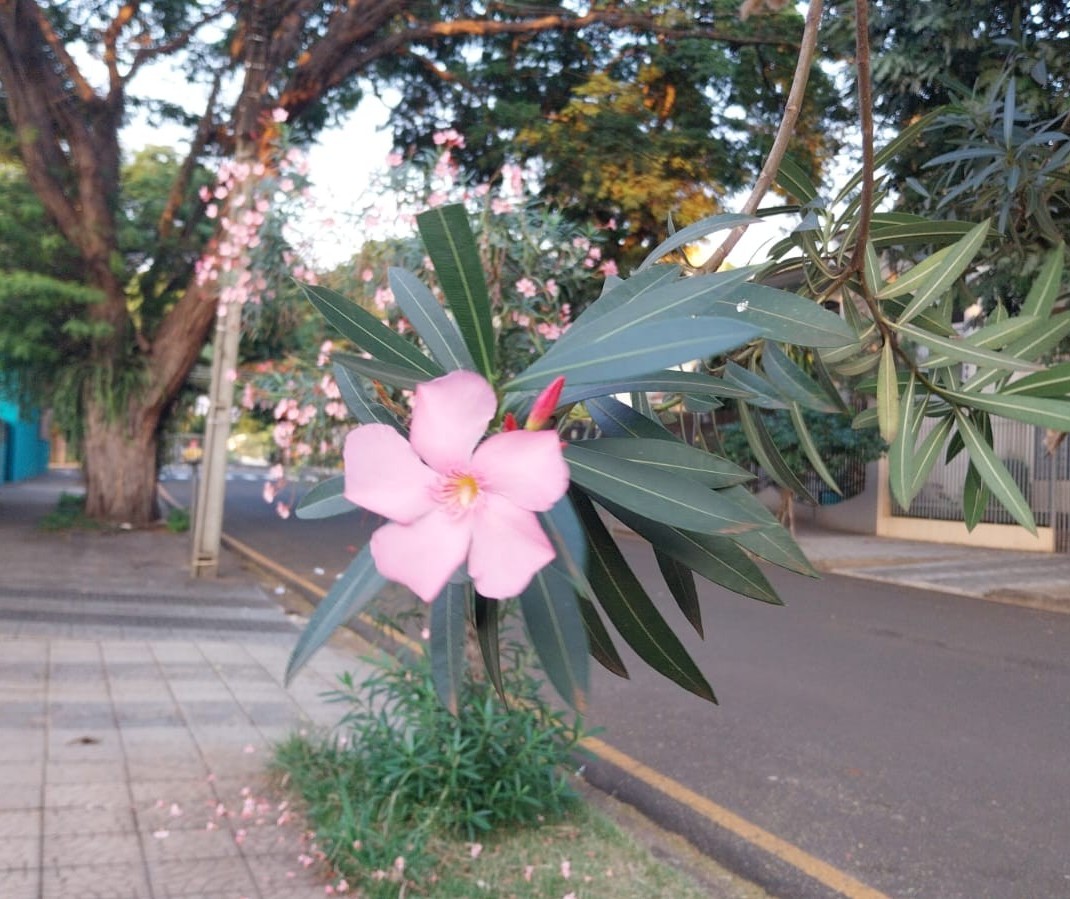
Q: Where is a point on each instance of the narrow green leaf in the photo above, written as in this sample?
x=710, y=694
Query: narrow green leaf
x=974, y=498
x=636, y=352
x=901, y=452
x=1045, y=288
x=871, y=272
x=1049, y=333
x=368, y=332
x=768, y=454
x=675, y=299
x=696, y=232
x=925, y=458
x=1034, y=410
x=785, y=316
x=485, y=614
x=809, y=448
x=621, y=293
x=681, y=583
x=679, y=382
x=831, y=388
x=999, y=333
x=1053, y=383
x=937, y=279
x=566, y=532
x=761, y=393
x=717, y=559
x=994, y=473
x=563, y=526
x=632, y=612
x=887, y=394
x=555, y=625
x=672, y=456
x=792, y=382
x=615, y=419
x=920, y=232
x=325, y=500
x=359, y=583
x=960, y=350
x=598, y=640
x=384, y=372
x=656, y=494
x=448, y=237
x=430, y=321
x=794, y=180
x=772, y=541
x=364, y=410
x=449, y=620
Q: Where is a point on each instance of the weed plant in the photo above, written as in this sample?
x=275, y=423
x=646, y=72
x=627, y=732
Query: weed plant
x=401, y=773
x=68, y=514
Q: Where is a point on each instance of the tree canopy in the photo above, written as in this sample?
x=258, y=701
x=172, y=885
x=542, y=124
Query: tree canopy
x=71, y=76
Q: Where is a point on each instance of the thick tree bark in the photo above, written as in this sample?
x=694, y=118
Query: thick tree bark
x=119, y=459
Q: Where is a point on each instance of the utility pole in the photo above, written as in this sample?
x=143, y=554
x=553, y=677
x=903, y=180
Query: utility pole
x=208, y=510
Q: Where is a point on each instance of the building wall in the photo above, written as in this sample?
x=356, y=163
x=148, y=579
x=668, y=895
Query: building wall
x=25, y=454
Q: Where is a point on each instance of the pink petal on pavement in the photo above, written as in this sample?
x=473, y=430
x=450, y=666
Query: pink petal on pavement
x=508, y=548
x=526, y=467
x=425, y=554
x=450, y=416
x=383, y=474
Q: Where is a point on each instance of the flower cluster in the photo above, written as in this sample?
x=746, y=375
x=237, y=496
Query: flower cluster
x=252, y=202
x=540, y=267
x=303, y=409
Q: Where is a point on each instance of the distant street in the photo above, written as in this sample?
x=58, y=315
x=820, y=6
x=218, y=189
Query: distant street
x=918, y=741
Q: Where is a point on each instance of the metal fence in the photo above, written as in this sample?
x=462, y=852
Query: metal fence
x=1043, y=479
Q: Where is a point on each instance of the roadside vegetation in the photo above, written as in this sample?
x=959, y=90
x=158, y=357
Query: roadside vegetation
x=404, y=796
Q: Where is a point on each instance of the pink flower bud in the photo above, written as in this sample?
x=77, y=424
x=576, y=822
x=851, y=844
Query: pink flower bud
x=545, y=405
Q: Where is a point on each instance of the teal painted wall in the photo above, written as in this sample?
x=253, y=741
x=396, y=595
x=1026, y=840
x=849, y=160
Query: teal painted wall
x=25, y=454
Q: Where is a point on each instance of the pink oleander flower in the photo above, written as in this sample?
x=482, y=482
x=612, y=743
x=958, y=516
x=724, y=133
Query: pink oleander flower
x=453, y=500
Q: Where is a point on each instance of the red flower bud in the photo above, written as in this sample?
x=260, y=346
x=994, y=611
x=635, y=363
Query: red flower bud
x=545, y=405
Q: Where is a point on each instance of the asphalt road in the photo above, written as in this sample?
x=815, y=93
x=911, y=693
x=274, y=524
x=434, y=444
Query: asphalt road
x=918, y=741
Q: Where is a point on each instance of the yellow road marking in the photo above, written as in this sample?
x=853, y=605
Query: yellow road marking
x=810, y=865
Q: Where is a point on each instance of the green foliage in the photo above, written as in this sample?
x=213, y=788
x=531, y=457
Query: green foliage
x=69, y=514
x=700, y=112
x=837, y=441
x=402, y=771
x=178, y=521
x=46, y=338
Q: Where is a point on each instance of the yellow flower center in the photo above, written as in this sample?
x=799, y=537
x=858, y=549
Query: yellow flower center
x=459, y=490
x=465, y=489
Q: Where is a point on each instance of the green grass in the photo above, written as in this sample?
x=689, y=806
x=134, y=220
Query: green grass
x=69, y=514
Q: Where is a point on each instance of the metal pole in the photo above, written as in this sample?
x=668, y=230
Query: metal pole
x=208, y=510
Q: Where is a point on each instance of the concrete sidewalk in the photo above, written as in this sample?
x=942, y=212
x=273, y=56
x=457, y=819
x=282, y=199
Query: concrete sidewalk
x=137, y=707
x=1036, y=580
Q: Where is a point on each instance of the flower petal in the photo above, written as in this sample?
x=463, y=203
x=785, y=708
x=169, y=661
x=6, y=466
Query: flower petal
x=450, y=416
x=425, y=554
x=508, y=548
x=384, y=475
x=526, y=467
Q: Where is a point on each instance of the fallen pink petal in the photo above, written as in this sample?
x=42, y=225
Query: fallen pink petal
x=452, y=497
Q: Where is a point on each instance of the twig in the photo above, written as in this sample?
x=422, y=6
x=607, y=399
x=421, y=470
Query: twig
x=865, y=119
x=783, y=136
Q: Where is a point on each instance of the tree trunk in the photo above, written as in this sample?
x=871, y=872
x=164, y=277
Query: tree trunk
x=119, y=459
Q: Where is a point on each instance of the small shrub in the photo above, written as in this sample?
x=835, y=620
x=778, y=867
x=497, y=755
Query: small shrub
x=401, y=771
x=178, y=521
x=69, y=513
